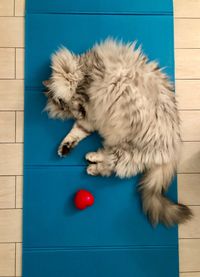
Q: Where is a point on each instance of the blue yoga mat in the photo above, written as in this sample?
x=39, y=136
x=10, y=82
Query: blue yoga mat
x=112, y=238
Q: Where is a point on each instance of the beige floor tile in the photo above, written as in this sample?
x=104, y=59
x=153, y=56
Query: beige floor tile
x=11, y=95
x=188, y=94
x=190, y=125
x=18, y=259
x=19, y=63
x=190, y=158
x=11, y=162
x=19, y=7
x=11, y=225
x=7, y=126
x=6, y=7
x=7, y=63
x=7, y=259
x=12, y=31
x=186, y=8
x=187, y=33
x=189, y=188
x=19, y=126
x=187, y=63
x=191, y=229
x=189, y=255
x=19, y=192
x=7, y=192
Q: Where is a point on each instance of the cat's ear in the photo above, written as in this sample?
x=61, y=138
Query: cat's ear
x=65, y=64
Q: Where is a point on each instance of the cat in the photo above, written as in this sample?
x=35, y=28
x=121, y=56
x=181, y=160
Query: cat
x=114, y=89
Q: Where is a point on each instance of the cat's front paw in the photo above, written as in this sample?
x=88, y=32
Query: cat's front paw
x=65, y=148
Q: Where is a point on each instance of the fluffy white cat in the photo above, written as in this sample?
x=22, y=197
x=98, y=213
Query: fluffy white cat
x=115, y=90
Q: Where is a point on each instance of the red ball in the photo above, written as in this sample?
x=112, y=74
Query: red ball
x=83, y=199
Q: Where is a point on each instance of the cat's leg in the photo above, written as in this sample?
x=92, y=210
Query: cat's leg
x=79, y=131
x=102, y=162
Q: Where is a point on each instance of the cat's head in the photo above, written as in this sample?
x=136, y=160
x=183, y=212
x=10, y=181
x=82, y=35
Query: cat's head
x=61, y=87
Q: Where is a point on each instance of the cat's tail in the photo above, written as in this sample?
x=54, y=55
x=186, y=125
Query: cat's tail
x=155, y=204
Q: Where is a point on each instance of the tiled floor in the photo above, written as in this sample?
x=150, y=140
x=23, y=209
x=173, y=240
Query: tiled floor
x=187, y=44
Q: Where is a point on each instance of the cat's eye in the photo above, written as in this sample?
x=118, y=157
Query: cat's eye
x=61, y=103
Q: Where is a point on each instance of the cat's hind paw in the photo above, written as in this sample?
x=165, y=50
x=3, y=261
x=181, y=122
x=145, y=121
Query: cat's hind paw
x=99, y=169
x=92, y=170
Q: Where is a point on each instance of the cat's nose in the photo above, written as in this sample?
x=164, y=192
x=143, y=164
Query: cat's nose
x=46, y=83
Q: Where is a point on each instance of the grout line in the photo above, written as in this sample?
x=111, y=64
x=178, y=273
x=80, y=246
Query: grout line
x=189, y=238
x=190, y=48
x=6, y=142
x=194, y=205
x=189, y=271
x=15, y=263
x=190, y=141
x=5, y=79
x=13, y=7
x=187, y=79
x=11, y=16
x=187, y=48
x=8, y=209
x=10, y=47
x=11, y=142
x=15, y=192
x=15, y=125
x=184, y=17
x=15, y=63
x=10, y=175
x=9, y=111
x=184, y=110
x=189, y=173
x=7, y=242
